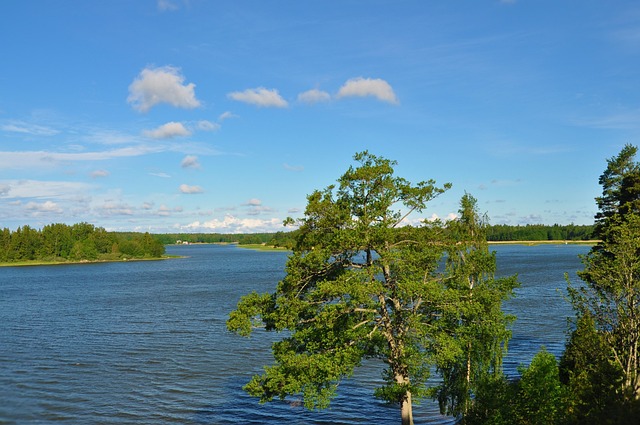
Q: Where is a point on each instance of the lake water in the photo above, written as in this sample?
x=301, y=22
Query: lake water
x=145, y=342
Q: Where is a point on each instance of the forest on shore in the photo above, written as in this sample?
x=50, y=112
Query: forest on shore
x=59, y=243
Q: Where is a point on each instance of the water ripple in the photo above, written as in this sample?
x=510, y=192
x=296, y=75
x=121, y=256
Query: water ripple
x=146, y=342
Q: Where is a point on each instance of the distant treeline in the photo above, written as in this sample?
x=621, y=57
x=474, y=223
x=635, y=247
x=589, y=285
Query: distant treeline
x=78, y=242
x=495, y=233
x=84, y=241
x=282, y=239
x=540, y=232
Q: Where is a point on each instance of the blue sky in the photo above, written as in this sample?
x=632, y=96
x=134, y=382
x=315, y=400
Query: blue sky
x=222, y=116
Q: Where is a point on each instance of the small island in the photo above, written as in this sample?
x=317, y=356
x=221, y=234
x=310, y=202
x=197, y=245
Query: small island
x=78, y=243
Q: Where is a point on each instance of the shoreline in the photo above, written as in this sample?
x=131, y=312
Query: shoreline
x=532, y=243
x=34, y=263
x=261, y=247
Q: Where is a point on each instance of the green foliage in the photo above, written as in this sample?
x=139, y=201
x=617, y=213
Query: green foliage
x=494, y=403
x=620, y=190
x=476, y=329
x=540, y=232
x=537, y=397
x=79, y=242
x=361, y=285
x=611, y=291
x=591, y=379
x=602, y=359
x=540, y=397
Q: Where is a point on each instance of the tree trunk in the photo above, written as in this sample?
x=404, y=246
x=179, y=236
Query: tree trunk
x=407, y=410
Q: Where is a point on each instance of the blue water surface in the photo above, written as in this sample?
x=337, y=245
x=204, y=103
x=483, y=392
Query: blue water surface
x=146, y=342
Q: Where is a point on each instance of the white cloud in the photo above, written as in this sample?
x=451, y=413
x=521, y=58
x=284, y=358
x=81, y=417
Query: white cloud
x=184, y=188
x=161, y=85
x=205, y=125
x=147, y=205
x=167, y=131
x=111, y=208
x=314, y=96
x=164, y=211
x=260, y=97
x=163, y=175
x=253, y=202
x=190, y=161
x=362, y=87
x=44, y=207
x=232, y=224
x=434, y=217
x=99, y=173
x=255, y=207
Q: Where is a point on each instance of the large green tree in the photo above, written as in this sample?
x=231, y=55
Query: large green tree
x=360, y=283
x=610, y=296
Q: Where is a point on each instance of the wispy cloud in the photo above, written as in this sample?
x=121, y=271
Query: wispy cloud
x=363, y=87
x=109, y=137
x=226, y=115
x=205, y=125
x=31, y=129
x=167, y=131
x=260, y=97
x=42, y=189
x=30, y=159
x=99, y=173
x=167, y=5
x=622, y=120
x=165, y=84
x=293, y=167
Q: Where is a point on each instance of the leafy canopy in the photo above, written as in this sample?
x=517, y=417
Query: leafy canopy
x=363, y=283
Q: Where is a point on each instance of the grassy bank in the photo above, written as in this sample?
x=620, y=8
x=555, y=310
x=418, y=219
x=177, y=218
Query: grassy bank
x=261, y=247
x=26, y=263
